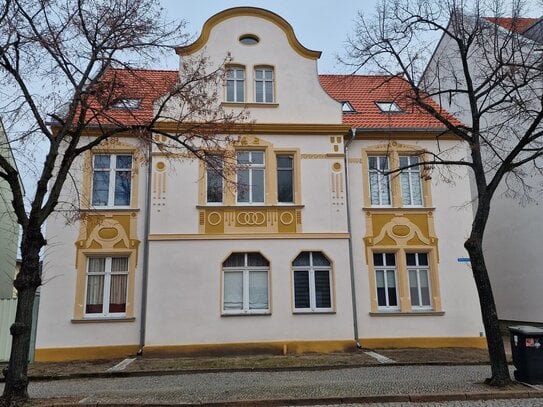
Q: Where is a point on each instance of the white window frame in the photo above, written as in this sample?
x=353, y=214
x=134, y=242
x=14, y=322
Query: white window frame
x=378, y=172
x=235, y=80
x=107, y=287
x=414, y=177
x=249, y=167
x=245, y=270
x=384, y=270
x=389, y=107
x=311, y=269
x=418, y=268
x=262, y=83
x=112, y=179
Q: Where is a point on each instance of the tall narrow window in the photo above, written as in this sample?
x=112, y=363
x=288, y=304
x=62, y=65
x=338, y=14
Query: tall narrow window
x=419, y=285
x=250, y=180
x=379, y=181
x=214, y=175
x=264, y=85
x=245, y=284
x=111, y=180
x=235, y=84
x=410, y=181
x=385, y=280
x=107, y=279
x=285, y=172
x=312, y=282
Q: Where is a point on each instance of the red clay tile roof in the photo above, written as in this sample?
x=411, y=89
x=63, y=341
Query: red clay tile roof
x=362, y=92
x=144, y=84
x=518, y=25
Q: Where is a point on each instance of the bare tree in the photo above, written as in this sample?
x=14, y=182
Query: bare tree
x=63, y=65
x=491, y=78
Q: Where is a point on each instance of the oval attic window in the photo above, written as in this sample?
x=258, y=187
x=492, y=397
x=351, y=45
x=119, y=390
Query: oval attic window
x=249, y=39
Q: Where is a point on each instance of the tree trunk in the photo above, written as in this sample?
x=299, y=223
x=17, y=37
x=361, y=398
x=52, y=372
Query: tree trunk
x=26, y=283
x=498, y=362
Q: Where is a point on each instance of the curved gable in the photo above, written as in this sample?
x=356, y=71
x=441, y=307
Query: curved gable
x=250, y=12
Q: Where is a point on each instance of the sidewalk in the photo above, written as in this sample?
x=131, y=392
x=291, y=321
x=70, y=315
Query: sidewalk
x=395, y=375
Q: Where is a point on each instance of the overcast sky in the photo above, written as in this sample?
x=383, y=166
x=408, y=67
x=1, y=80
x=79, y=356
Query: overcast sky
x=321, y=25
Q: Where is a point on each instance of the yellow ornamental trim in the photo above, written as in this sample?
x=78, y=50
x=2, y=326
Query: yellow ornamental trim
x=251, y=12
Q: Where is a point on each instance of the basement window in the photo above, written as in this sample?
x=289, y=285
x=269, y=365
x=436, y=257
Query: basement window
x=389, y=107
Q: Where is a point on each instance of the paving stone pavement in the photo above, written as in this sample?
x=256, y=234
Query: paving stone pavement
x=489, y=403
x=235, y=386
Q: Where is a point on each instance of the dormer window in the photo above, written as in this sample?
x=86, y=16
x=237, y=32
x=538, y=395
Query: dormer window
x=389, y=107
x=346, y=107
x=249, y=39
x=126, y=103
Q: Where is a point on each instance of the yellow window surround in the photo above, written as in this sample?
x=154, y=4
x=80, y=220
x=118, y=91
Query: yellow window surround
x=393, y=150
x=105, y=234
x=110, y=146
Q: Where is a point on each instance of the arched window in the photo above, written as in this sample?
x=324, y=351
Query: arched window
x=312, y=275
x=245, y=284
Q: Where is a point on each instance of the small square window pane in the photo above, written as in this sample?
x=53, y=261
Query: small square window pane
x=230, y=73
x=284, y=161
x=243, y=157
x=256, y=260
x=119, y=264
x=240, y=74
x=411, y=259
x=404, y=162
x=257, y=157
x=124, y=162
x=372, y=162
x=378, y=259
x=268, y=74
x=102, y=161
x=390, y=259
x=383, y=163
x=423, y=259
x=259, y=74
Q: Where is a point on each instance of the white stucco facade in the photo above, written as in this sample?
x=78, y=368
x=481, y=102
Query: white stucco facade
x=177, y=266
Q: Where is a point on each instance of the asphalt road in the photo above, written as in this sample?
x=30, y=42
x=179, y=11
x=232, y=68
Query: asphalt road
x=206, y=387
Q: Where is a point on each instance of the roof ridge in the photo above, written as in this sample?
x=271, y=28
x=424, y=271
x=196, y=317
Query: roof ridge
x=144, y=70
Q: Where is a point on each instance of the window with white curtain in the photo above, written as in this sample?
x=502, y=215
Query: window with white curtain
x=107, y=280
x=410, y=181
x=379, y=180
x=312, y=282
x=245, y=284
x=111, y=180
x=385, y=280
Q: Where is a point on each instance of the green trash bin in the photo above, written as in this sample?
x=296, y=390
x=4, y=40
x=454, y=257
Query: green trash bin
x=527, y=350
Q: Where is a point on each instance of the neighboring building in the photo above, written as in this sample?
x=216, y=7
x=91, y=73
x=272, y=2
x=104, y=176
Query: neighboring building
x=514, y=229
x=266, y=266
x=9, y=229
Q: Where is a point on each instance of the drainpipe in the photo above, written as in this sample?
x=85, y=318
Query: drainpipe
x=145, y=261
x=349, y=229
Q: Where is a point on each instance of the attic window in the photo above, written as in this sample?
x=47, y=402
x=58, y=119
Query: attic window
x=126, y=103
x=346, y=107
x=389, y=107
x=249, y=39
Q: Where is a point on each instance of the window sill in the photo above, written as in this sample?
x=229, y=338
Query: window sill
x=249, y=104
x=398, y=208
x=252, y=206
x=247, y=314
x=407, y=314
x=313, y=312
x=102, y=320
x=109, y=209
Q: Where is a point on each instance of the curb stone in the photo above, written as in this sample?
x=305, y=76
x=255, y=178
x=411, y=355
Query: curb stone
x=387, y=398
